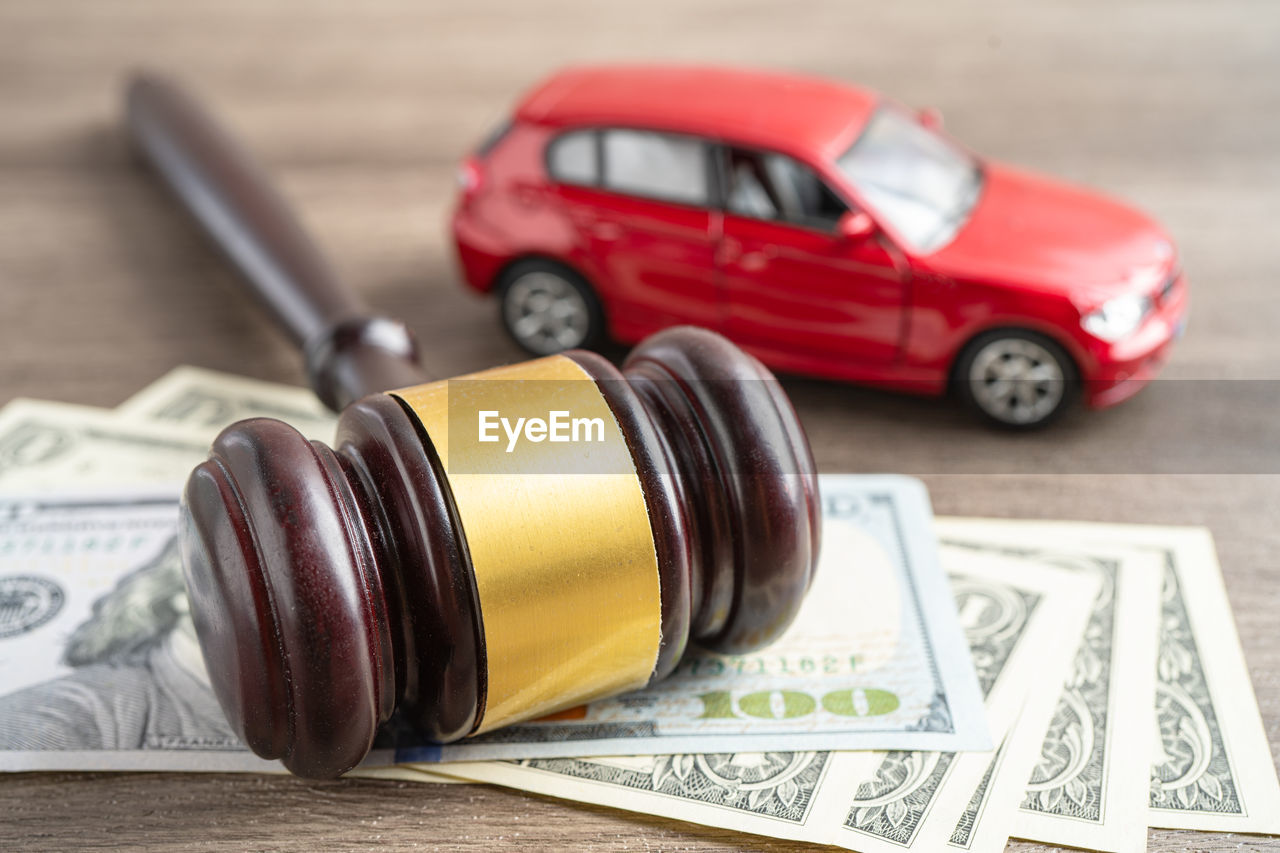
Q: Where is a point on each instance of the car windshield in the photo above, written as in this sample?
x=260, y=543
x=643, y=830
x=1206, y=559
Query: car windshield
x=917, y=181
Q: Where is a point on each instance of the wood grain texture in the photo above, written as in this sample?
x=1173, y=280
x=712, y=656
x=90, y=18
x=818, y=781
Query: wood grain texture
x=362, y=110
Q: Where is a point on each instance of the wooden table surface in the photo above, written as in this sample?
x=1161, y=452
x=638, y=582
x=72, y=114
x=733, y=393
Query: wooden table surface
x=363, y=110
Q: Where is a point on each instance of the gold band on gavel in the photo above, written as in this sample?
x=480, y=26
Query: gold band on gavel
x=558, y=534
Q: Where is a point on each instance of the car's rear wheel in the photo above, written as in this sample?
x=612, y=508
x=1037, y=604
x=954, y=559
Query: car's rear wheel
x=1016, y=378
x=548, y=308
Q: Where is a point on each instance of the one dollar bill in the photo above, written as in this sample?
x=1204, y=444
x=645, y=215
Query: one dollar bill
x=1014, y=613
x=1206, y=758
x=58, y=445
x=1080, y=775
x=207, y=401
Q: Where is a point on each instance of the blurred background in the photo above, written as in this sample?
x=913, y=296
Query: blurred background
x=363, y=111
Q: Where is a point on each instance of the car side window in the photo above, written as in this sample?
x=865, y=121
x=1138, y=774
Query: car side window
x=574, y=158
x=656, y=165
x=764, y=185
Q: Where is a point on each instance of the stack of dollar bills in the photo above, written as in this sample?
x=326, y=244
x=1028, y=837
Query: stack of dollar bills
x=949, y=683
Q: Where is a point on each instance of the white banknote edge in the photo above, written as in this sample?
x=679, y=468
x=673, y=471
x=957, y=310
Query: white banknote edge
x=181, y=761
x=1195, y=562
x=401, y=773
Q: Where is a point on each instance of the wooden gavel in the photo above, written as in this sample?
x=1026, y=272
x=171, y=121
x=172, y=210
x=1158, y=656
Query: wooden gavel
x=418, y=566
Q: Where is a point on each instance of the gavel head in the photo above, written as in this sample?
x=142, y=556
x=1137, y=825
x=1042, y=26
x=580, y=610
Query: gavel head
x=497, y=547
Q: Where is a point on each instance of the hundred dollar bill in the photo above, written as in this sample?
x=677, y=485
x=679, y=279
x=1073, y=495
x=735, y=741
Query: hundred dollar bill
x=207, y=400
x=99, y=664
x=865, y=800
x=138, y=580
x=60, y=445
x=1086, y=765
x=874, y=659
x=1208, y=762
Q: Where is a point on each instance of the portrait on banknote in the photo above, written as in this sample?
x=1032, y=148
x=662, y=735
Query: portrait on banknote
x=137, y=680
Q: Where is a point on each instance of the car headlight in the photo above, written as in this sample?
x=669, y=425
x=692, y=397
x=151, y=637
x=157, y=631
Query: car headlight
x=1118, y=317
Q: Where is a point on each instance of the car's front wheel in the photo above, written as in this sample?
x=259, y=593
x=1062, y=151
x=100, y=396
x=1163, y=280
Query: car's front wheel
x=1016, y=378
x=548, y=308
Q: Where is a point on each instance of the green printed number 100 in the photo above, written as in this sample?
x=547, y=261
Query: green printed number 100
x=789, y=704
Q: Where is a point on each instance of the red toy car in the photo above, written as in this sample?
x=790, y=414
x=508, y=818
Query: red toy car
x=826, y=230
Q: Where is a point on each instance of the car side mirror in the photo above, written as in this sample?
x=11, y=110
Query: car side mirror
x=931, y=118
x=855, y=225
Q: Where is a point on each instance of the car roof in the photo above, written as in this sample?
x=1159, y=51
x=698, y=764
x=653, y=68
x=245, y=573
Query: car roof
x=781, y=111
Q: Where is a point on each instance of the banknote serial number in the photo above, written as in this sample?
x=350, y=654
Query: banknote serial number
x=825, y=665
x=843, y=701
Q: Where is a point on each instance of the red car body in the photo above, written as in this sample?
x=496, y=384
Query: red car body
x=1031, y=253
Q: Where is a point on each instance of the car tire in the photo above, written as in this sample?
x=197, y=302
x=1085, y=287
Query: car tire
x=547, y=308
x=1016, y=379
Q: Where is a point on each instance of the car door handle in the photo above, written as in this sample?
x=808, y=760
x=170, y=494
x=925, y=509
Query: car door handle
x=728, y=251
x=757, y=260
x=753, y=261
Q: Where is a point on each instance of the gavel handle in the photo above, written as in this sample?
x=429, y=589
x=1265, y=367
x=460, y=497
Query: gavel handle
x=349, y=352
